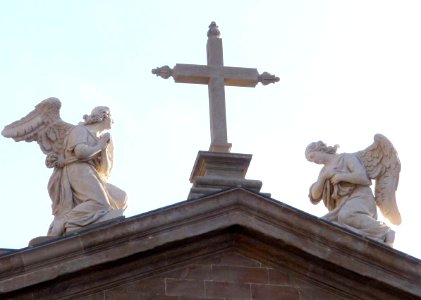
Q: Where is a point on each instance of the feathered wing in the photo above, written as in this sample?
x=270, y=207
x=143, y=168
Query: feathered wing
x=43, y=125
x=382, y=164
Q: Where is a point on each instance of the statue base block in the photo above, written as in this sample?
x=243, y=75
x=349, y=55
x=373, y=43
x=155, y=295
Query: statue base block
x=215, y=171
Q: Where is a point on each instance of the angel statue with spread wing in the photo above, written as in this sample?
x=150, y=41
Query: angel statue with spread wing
x=82, y=158
x=344, y=186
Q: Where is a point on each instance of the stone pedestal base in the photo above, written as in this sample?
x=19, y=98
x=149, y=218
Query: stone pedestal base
x=215, y=171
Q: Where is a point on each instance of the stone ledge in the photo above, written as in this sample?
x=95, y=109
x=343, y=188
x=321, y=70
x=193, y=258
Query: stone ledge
x=5, y=250
x=225, y=182
x=274, y=221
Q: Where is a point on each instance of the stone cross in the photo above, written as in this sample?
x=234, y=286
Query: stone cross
x=216, y=76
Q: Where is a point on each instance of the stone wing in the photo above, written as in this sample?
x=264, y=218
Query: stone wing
x=382, y=164
x=43, y=125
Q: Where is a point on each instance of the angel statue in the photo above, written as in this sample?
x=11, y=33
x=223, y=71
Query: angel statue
x=82, y=158
x=344, y=186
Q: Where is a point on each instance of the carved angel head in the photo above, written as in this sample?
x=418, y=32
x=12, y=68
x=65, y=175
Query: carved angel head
x=319, y=147
x=98, y=114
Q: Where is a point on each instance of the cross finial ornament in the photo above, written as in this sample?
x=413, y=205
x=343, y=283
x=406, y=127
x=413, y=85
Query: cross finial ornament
x=216, y=76
x=213, y=30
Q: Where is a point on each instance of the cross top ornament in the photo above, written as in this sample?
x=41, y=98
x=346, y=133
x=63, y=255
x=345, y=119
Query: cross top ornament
x=213, y=30
x=216, y=76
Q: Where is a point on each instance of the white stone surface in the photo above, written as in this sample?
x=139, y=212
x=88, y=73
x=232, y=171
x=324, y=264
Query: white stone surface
x=81, y=157
x=344, y=186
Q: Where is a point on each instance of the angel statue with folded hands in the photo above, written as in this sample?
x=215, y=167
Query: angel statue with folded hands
x=81, y=157
x=344, y=186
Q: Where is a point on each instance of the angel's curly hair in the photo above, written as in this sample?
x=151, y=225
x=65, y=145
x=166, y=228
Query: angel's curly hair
x=320, y=146
x=97, y=115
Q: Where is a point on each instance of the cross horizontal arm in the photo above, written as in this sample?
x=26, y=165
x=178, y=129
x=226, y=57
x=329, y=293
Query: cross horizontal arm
x=200, y=74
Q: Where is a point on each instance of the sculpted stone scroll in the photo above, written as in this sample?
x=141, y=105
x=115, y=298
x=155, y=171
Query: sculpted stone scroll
x=81, y=157
x=344, y=186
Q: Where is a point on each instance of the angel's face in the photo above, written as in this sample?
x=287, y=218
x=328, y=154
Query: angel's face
x=108, y=122
x=319, y=157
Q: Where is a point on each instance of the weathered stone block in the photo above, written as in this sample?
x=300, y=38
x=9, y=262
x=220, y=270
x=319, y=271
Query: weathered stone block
x=184, y=287
x=239, y=274
x=228, y=290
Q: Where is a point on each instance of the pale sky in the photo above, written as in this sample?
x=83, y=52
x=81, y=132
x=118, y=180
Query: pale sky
x=348, y=70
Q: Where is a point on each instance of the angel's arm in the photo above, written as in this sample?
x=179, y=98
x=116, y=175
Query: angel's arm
x=84, y=151
x=106, y=159
x=356, y=175
x=316, y=189
x=316, y=192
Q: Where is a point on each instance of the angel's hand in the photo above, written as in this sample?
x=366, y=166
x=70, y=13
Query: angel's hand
x=326, y=173
x=336, y=178
x=106, y=136
x=104, y=140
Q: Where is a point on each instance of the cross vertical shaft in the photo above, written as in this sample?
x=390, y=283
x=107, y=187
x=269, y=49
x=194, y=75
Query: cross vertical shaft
x=216, y=88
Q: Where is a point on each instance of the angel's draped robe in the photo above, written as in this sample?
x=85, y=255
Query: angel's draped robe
x=352, y=205
x=79, y=192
